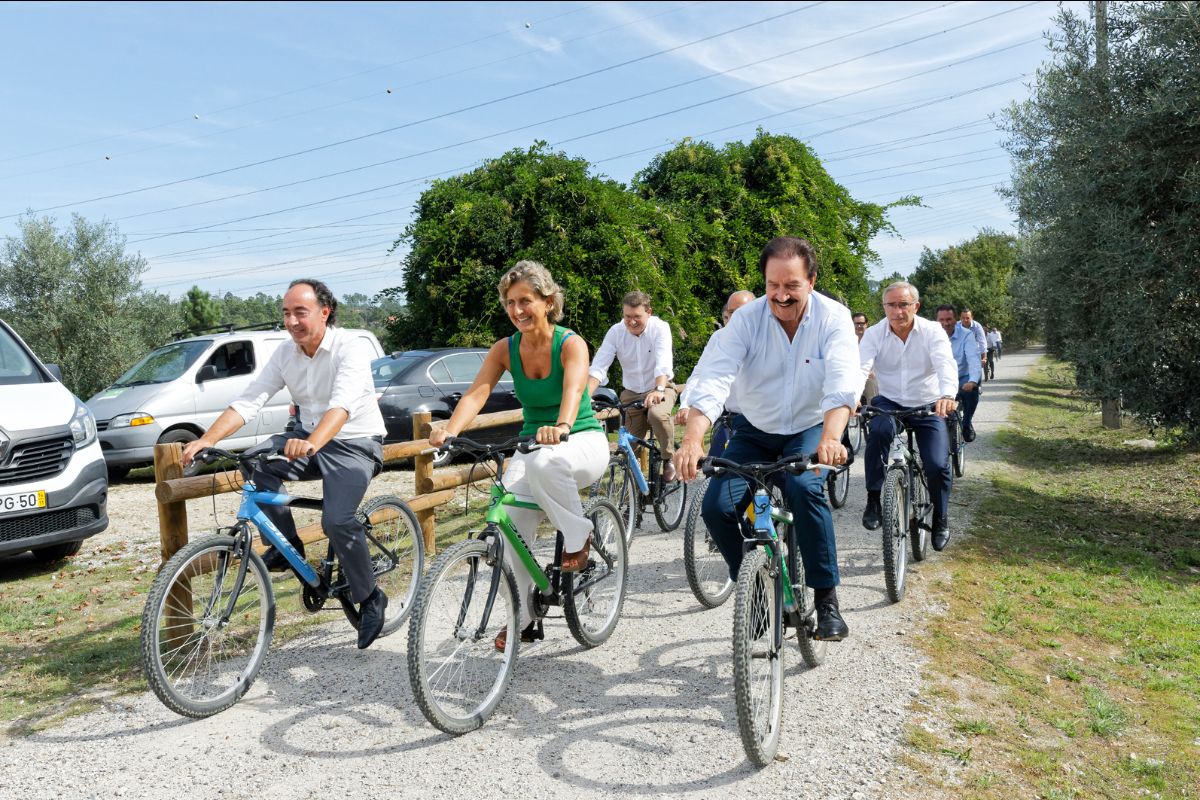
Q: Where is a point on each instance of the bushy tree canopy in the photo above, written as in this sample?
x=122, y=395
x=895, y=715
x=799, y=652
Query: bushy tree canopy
x=1107, y=189
x=972, y=274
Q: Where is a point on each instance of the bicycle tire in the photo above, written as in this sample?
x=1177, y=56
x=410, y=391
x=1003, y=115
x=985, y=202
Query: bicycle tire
x=895, y=532
x=670, y=503
x=757, y=659
x=444, y=654
x=213, y=666
x=920, y=519
x=812, y=650
x=958, y=447
x=395, y=528
x=592, y=614
x=837, y=485
x=858, y=435
x=618, y=487
x=705, y=567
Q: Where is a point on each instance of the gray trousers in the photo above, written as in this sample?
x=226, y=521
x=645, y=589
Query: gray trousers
x=345, y=467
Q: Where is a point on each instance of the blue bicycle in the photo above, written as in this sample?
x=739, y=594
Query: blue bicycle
x=627, y=488
x=210, y=614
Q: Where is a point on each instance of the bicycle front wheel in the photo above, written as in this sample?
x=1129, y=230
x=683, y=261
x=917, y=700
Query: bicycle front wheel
x=670, y=504
x=458, y=676
x=705, y=567
x=617, y=486
x=592, y=598
x=958, y=450
x=838, y=486
x=920, y=518
x=204, y=632
x=857, y=433
x=896, y=505
x=757, y=658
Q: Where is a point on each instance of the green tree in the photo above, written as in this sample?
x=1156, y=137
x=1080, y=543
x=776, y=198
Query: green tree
x=1105, y=184
x=76, y=297
x=974, y=274
x=199, y=310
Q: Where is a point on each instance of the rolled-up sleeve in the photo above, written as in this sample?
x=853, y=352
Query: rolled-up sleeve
x=353, y=386
x=663, y=359
x=261, y=389
x=712, y=379
x=844, y=378
x=604, y=357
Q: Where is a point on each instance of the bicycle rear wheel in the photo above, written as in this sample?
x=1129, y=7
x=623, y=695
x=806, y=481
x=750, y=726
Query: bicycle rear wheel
x=757, y=658
x=958, y=449
x=812, y=650
x=204, y=635
x=397, y=549
x=458, y=676
x=592, y=598
x=670, y=504
x=705, y=567
x=617, y=486
x=837, y=484
x=896, y=516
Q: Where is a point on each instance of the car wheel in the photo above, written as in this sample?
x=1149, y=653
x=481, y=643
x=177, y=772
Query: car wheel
x=118, y=472
x=181, y=435
x=57, y=552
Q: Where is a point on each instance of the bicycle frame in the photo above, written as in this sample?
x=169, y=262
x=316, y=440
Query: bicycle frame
x=251, y=511
x=625, y=441
x=764, y=516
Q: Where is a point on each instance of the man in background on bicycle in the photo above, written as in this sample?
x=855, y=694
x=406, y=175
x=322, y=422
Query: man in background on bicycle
x=642, y=343
x=968, y=322
x=720, y=435
x=860, y=327
x=966, y=355
x=339, y=438
x=915, y=367
x=795, y=361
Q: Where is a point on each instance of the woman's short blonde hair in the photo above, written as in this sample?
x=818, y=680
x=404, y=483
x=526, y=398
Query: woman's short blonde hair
x=540, y=280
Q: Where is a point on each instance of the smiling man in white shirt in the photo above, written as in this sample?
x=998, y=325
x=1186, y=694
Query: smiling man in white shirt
x=794, y=357
x=339, y=438
x=642, y=343
x=915, y=368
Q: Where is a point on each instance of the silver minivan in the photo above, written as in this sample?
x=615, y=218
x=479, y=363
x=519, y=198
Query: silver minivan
x=53, y=490
x=178, y=390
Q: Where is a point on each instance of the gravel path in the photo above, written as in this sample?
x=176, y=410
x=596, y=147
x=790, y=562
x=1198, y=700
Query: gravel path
x=649, y=713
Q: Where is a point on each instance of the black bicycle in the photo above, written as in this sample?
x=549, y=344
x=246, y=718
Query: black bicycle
x=907, y=509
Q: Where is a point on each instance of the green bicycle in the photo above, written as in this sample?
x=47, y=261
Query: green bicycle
x=458, y=675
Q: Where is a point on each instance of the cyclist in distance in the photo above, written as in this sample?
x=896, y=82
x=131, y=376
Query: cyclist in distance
x=642, y=343
x=966, y=355
x=339, y=437
x=549, y=366
x=915, y=366
x=794, y=358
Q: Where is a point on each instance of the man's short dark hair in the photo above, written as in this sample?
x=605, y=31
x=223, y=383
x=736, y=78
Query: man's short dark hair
x=945, y=307
x=788, y=247
x=856, y=314
x=966, y=310
x=324, y=296
x=636, y=299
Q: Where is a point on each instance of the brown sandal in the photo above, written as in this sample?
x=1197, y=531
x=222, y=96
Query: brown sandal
x=577, y=561
x=529, y=634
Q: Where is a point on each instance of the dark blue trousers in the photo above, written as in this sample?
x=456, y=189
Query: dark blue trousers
x=970, y=402
x=932, y=441
x=728, y=495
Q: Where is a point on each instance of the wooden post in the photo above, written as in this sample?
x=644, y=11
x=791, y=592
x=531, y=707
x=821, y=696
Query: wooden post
x=172, y=517
x=423, y=480
x=173, y=536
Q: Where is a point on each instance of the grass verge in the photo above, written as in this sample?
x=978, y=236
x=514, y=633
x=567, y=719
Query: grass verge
x=1068, y=662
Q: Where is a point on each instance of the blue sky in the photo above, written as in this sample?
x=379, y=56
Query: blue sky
x=240, y=145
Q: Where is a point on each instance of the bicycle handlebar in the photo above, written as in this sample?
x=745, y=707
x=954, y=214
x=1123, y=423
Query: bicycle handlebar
x=461, y=444
x=760, y=471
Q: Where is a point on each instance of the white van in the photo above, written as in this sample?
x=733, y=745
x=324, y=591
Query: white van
x=53, y=488
x=178, y=390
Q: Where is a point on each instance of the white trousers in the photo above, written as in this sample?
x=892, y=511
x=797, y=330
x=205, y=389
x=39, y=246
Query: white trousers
x=552, y=476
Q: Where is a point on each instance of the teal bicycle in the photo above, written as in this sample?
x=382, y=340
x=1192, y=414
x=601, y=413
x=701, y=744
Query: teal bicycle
x=770, y=596
x=457, y=670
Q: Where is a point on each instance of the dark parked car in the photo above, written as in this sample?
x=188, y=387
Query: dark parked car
x=434, y=380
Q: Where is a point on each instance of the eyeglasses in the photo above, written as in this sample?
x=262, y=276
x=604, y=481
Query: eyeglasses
x=898, y=306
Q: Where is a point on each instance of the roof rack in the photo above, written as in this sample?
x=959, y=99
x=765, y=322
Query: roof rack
x=227, y=327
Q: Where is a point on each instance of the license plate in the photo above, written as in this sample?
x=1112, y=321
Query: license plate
x=22, y=501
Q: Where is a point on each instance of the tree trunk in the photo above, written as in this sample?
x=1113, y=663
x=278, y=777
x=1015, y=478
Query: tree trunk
x=1110, y=413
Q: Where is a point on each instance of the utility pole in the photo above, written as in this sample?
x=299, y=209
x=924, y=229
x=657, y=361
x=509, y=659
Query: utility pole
x=1110, y=407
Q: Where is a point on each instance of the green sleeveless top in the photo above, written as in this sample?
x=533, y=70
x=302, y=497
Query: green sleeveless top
x=540, y=399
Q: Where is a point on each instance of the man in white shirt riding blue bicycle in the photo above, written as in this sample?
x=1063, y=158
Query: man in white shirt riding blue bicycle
x=642, y=343
x=915, y=367
x=794, y=358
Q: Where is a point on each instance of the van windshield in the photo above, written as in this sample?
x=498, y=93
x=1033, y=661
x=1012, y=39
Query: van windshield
x=164, y=364
x=15, y=364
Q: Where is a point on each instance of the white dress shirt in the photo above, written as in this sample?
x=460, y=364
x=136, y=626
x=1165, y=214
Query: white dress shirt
x=784, y=386
x=643, y=358
x=992, y=338
x=913, y=372
x=337, y=376
x=731, y=403
x=980, y=337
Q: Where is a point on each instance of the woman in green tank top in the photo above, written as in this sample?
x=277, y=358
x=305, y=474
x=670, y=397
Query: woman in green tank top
x=549, y=367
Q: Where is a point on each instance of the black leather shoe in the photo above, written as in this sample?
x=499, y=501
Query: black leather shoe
x=276, y=561
x=968, y=433
x=941, y=533
x=370, y=622
x=873, y=516
x=830, y=625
